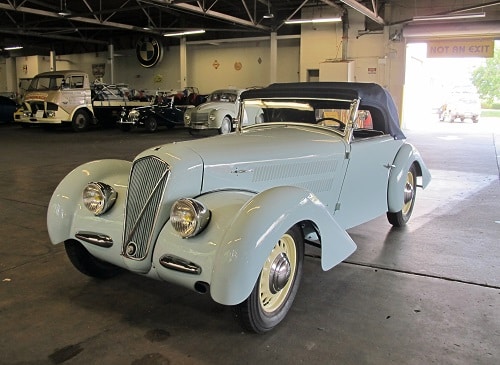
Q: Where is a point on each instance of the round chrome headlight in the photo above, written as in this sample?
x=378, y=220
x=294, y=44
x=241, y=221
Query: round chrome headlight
x=212, y=116
x=133, y=115
x=98, y=197
x=189, y=217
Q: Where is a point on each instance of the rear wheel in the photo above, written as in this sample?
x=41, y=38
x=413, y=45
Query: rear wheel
x=276, y=287
x=399, y=219
x=151, y=124
x=88, y=264
x=80, y=121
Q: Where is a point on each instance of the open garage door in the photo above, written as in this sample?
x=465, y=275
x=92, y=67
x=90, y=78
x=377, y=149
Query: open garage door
x=440, y=60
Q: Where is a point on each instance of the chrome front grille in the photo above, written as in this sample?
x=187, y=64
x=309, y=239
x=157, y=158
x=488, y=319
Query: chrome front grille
x=200, y=118
x=36, y=106
x=148, y=179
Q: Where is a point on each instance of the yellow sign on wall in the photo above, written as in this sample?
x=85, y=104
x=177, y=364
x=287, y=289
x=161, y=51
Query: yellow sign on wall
x=460, y=48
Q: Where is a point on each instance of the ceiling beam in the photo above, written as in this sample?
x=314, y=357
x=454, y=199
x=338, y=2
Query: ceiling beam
x=215, y=14
x=372, y=14
x=51, y=14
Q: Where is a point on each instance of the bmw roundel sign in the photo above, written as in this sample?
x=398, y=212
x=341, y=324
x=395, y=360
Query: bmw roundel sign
x=148, y=51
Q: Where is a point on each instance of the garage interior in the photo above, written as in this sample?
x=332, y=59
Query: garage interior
x=428, y=293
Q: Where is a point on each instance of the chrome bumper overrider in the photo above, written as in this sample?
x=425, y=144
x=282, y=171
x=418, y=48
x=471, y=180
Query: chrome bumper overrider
x=179, y=264
x=94, y=238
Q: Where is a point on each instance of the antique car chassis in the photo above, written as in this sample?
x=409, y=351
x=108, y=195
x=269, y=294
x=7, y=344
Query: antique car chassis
x=229, y=215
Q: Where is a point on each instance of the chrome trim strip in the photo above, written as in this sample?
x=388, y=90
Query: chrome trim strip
x=95, y=238
x=179, y=264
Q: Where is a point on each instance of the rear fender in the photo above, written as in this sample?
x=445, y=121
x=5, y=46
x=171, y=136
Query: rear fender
x=406, y=156
x=66, y=200
x=258, y=226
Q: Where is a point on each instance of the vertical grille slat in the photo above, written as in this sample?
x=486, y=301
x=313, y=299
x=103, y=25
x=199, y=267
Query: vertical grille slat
x=148, y=179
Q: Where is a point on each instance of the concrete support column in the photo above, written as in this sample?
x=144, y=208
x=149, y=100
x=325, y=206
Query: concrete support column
x=52, y=61
x=273, y=59
x=183, y=62
x=11, y=74
x=111, y=61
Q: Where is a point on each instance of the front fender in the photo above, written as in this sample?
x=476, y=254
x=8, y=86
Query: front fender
x=67, y=197
x=406, y=156
x=257, y=227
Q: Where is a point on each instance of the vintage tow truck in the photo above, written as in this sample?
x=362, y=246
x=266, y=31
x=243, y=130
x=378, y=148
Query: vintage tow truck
x=68, y=97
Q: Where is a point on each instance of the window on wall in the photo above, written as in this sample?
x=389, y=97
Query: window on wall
x=313, y=75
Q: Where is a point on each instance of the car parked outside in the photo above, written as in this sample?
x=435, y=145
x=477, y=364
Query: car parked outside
x=461, y=105
x=217, y=113
x=230, y=215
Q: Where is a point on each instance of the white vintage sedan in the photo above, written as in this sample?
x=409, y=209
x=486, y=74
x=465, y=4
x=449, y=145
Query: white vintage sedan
x=230, y=215
x=217, y=113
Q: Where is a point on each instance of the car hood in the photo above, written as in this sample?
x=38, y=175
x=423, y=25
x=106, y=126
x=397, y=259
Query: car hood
x=206, y=107
x=257, y=159
x=262, y=157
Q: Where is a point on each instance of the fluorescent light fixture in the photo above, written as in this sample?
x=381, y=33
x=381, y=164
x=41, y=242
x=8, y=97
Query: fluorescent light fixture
x=187, y=32
x=268, y=16
x=317, y=20
x=13, y=48
x=449, y=16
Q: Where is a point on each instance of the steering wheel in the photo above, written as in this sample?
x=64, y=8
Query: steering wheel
x=341, y=123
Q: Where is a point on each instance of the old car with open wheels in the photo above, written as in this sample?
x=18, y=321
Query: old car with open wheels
x=162, y=112
x=230, y=215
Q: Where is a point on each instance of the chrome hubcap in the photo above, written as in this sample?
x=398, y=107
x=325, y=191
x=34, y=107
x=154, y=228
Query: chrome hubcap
x=276, y=278
x=408, y=193
x=279, y=273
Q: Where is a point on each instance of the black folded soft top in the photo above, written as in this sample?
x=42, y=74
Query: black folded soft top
x=373, y=97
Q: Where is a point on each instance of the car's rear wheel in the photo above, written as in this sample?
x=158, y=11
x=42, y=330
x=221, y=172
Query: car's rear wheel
x=88, y=264
x=399, y=219
x=151, y=124
x=276, y=287
x=226, y=125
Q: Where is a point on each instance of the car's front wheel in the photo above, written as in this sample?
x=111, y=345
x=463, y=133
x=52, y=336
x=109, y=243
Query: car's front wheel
x=276, y=287
x=226, y=125
x=88, y=264
x=399, y=219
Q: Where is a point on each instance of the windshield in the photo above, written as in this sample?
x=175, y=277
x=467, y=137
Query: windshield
x=330, y=113
x=42, y=83
x=223, y=96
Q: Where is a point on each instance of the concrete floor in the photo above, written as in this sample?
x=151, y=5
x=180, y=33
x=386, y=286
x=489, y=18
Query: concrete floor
x=427, y=294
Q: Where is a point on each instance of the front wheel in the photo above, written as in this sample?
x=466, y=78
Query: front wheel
x=226, y=125
x=276, y=287
x=399, y=219
x=88, y=264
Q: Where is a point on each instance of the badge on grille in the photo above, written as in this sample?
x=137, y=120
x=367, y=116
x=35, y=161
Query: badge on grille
x=148, y=51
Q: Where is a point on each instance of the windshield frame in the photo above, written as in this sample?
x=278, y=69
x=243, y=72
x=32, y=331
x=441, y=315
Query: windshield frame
x=352, y=106
x=54, y=83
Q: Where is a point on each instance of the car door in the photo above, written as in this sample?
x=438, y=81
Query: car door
x=364, y=191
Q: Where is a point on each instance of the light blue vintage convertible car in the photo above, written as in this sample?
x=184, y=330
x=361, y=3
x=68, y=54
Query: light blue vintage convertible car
x=229, y=215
